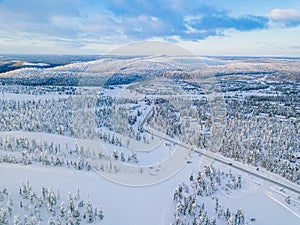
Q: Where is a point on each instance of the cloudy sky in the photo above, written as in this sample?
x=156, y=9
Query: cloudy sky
x=214, y=27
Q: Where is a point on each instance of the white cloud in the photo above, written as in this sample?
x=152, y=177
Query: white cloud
x=290, y=16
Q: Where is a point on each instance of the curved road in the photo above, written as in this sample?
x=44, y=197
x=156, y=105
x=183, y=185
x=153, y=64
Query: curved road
x=230, y=162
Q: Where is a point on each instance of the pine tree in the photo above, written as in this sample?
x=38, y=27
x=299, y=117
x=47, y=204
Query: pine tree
x=51, y=201
x=101, y=214
x=62, y=210
x=70, y=202
x=239, y=182
x=191, y=177
x=70, y=220
x=76, y=216
x=1, y=196
x=90, y=215
x=58, y=194
x=3, y=216
x=78, y=194
x=58, y=221
x=123, y=157
x=51, y=221
x=9, y=204
x=16, y=220
x=213, y=221
x=26, y=220
x=33, y=221
x=227, y=214
x=217, y=204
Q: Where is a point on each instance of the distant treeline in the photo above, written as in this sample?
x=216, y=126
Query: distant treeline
x=95, y=81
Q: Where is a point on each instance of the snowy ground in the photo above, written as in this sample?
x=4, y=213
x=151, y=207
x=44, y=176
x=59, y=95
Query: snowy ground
x=150, y=204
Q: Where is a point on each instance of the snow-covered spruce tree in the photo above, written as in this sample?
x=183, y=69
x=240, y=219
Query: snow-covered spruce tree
x=70, y=202
x=17, y=220
x=34, y=221
x=62, y=209
x=70, y=220
x=51, y=221
x=58, y=221
x=51, y=201
x=101, y=214
x=3, y=216
x=9, y=204
x=1, y=196
x=26, y=220
x=77, y=197
x=76, y=216
x=89, y=212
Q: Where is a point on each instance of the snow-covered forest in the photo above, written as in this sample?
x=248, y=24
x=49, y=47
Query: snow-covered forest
x=227, y=134
x=47, y=206
x=191, y=199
